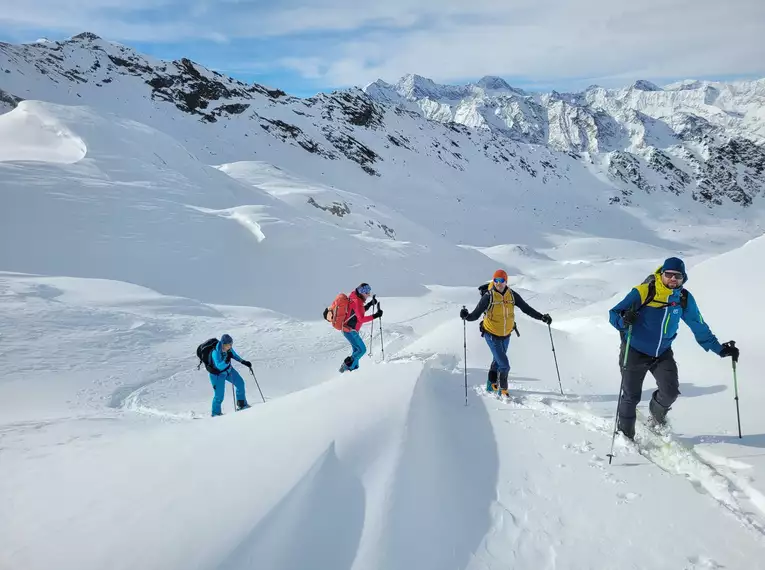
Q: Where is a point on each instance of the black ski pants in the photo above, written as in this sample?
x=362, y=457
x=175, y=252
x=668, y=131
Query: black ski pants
x=664, y=370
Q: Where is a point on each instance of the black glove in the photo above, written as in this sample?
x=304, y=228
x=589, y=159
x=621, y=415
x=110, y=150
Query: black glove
x=464, y=313
x=378, y=314
x=729, y=349
x=247, y=363
x=546, y=319
x=630, y=317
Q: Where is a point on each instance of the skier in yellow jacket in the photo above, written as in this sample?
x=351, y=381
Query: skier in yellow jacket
x=499, y=304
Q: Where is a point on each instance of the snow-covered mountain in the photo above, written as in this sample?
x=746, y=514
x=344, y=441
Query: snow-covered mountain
x=705, y=138
x=697, y=139
x=148, y=206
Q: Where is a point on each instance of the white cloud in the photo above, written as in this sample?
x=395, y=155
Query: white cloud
x=593, y=40
x=345, y=42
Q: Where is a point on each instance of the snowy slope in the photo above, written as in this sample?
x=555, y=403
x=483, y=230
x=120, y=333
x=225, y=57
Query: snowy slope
x=385, y=469
x=346, y=140
x=138, y=202
x=134, y=229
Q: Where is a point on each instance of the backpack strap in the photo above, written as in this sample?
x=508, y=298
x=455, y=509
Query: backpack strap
x=652, y=294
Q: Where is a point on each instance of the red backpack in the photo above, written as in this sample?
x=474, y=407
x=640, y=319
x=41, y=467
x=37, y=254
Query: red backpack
x=339, y=312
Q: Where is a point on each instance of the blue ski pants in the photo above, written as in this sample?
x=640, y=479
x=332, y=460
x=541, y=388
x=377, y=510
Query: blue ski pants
x=498, y=346
x=358, y=346
x=218, y=382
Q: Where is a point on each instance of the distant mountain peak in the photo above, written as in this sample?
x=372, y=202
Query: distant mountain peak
x=87, y=36
x=643, y=85
x=492, y=82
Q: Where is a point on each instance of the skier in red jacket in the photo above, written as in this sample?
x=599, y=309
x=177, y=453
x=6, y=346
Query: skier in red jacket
x=357, y=318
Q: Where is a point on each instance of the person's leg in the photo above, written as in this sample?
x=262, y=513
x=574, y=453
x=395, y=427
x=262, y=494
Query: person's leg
x=218, y=382
x=359, y=349
x=497, y=346
x=348, y=360
x=503, y=368
x=665, y=373
x=236, y=379
x=491, y=381
x=632, y=387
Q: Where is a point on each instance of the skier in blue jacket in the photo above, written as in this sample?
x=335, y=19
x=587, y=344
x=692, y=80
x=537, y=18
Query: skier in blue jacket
x=221, y=360
x=652, y=312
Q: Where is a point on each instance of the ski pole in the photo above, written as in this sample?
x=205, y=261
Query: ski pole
x=735, y=390
x=258, y=385
x=233, y=395
x=372, y=332
x=556, y=358
x=621, y=390
x=464, y=344
x=371, y=339
x=382, y=344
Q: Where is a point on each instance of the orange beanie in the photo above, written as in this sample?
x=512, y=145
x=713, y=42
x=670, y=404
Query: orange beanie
x=500, y=273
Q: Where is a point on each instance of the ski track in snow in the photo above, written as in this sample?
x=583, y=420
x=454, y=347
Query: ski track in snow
x=708, y=475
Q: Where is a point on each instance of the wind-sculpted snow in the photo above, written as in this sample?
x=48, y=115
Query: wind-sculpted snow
x=387, y=467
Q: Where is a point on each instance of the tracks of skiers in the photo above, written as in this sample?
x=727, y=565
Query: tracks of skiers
x=708, y=473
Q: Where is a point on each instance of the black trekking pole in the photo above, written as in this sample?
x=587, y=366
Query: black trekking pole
x=371, y=339
x=735, y=389
x=372, y=332
x=258, y=385
x=382, y=344
x=464, y=345
x=556, y=358
x=621, y=390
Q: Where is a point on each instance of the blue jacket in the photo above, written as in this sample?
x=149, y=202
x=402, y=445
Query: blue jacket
x=222, y=361
x=658, y=322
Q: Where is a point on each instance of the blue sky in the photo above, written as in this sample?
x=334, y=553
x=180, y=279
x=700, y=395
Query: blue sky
x=305, y=47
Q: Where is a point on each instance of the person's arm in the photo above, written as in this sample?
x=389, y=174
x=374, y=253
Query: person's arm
x=524, y=306
x=632, y=301
x=482, y=305
x=218, y=359
x=702, y=332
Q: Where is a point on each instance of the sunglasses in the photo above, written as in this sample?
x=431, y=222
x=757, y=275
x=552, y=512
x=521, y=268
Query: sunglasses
x=673, y=275
x=499, y=280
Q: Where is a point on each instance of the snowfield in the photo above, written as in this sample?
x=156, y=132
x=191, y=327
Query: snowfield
x=125, y=246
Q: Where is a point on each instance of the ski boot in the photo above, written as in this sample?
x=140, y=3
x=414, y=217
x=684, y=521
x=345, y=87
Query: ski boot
x=242, y=405
x=491, y=382
x=627, y=427
x=658, y=412
x=346, y=364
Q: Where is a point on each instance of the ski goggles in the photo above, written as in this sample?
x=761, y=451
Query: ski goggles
x=499, y=280
x=673, y=275
x=365, y=290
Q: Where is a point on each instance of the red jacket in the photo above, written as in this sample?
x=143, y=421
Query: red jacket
x=356, y=304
